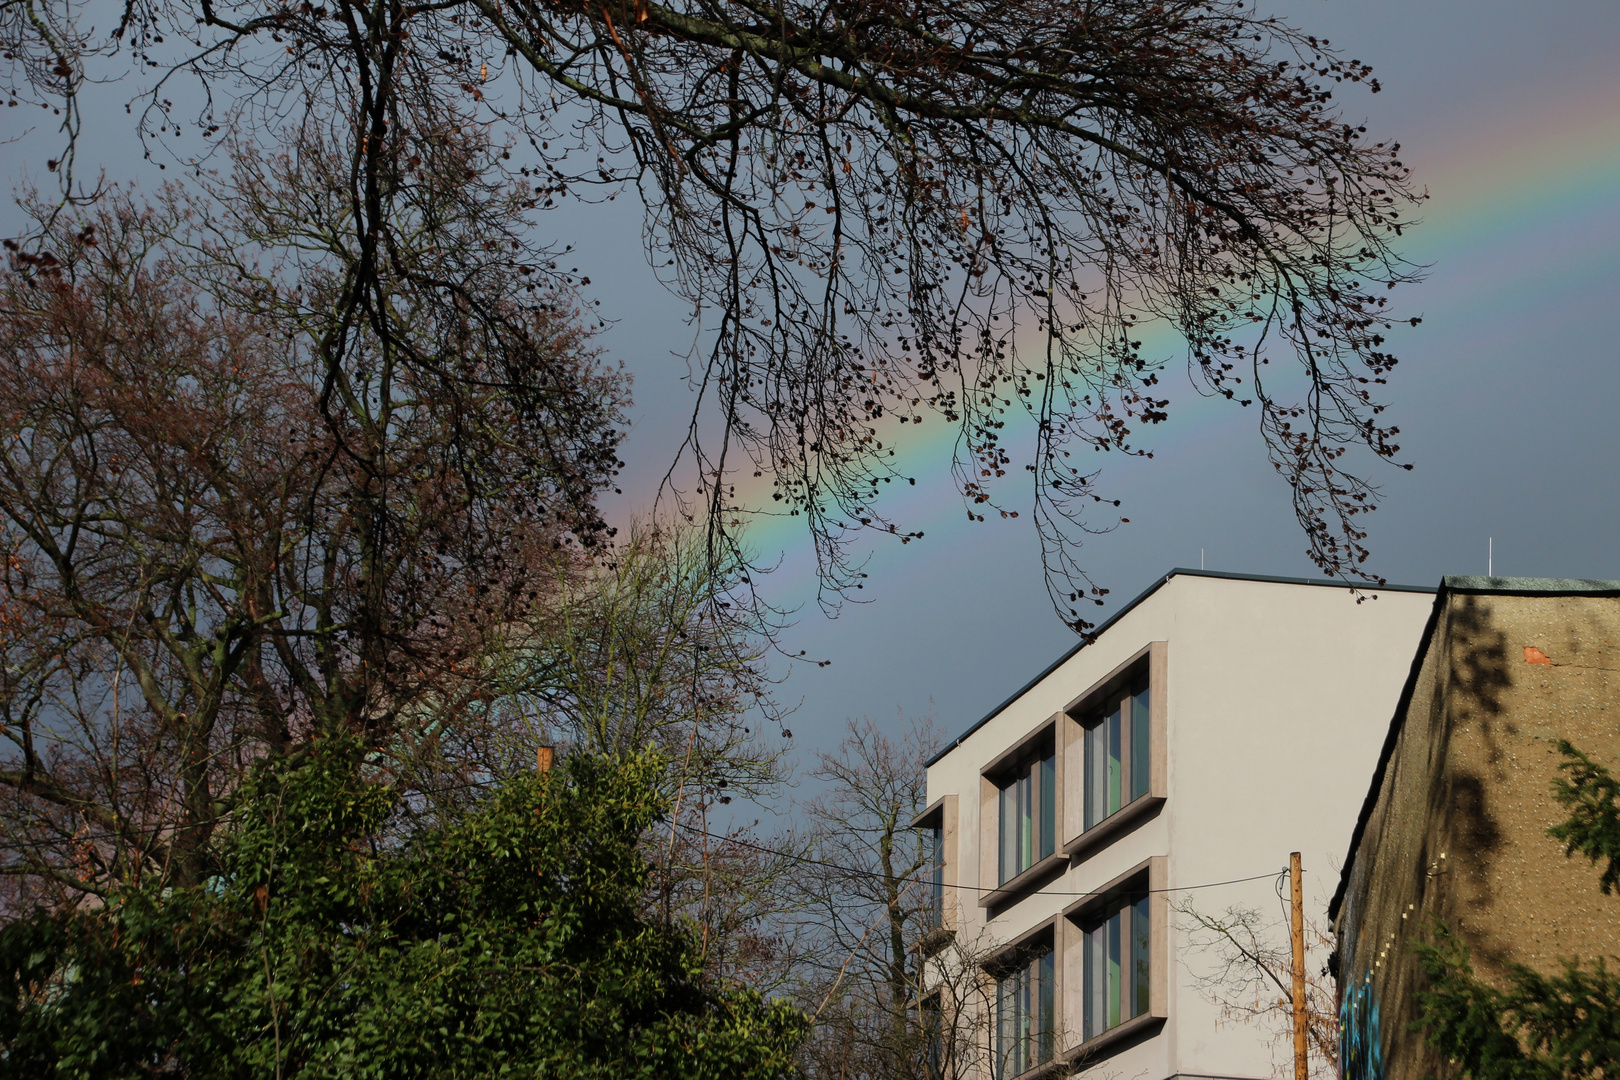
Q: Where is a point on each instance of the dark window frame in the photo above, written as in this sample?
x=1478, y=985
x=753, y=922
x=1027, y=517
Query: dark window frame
x=1149, y=876
x=1030, y=780
x=1143, y=766
x=1117, y=959
x=1025, y=975
x=1117, y=727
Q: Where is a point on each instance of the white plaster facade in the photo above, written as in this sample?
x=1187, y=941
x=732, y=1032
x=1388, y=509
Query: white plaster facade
x=1270, y=699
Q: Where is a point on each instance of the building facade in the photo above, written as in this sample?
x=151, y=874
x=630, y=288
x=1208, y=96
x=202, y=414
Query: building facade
x=1211, y=727
x=1454, y=828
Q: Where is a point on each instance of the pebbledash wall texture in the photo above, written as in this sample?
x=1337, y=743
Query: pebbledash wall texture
x=1454, y=828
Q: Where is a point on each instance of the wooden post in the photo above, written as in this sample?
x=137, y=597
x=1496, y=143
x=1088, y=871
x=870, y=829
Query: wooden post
x=1297, y=933
x=544, y=758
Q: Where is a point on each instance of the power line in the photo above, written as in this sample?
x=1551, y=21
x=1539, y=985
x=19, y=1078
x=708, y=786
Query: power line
x=850, y=871
x=858, y=872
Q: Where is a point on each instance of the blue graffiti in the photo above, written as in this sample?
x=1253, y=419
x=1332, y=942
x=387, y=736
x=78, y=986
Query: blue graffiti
x=1361, y=1051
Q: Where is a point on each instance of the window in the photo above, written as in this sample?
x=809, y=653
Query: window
x=1118, y=760
x=934, y=913
x=1024, y=1013
x=936, y=905
x=936, y=897
x=1028, y=813
x=1117, y=962
x=933, y=1036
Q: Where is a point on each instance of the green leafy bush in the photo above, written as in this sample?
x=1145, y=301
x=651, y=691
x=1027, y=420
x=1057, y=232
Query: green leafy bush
x=513, y=943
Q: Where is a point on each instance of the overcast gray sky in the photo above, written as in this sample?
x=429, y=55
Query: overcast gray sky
x=1510, y=114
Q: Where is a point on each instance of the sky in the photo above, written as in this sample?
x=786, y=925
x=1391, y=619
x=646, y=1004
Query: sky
x=1509, y=114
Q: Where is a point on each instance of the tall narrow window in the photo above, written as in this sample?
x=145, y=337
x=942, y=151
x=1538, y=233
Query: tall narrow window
x=1117, y=759
x=933, y=1036
x=1028, y=814
x=935, y=915
x=1117, y=963
x=1024, y=1013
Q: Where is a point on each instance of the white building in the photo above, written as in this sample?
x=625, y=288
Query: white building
x=1213, y=725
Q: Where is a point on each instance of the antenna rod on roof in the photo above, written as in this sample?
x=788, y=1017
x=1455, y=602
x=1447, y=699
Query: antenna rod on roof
x=1490, y=556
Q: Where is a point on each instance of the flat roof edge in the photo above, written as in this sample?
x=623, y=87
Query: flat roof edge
x=1531, y=585
x=1104, y=626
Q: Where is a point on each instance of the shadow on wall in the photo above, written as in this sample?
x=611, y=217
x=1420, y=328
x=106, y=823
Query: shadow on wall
x=1471, y=834
x=1479, y=671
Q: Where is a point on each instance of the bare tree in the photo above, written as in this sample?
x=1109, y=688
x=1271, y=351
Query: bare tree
x=865, y=948
x=888, y=215
x=222, y=545
x=642, y=647
x=219, y=546
x=1242, y=961
x=45, y=48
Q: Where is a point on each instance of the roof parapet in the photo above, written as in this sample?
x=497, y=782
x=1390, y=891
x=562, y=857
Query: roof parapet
x=1543, y=586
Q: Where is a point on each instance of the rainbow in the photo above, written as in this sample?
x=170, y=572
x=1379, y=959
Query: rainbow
x=1522, y=226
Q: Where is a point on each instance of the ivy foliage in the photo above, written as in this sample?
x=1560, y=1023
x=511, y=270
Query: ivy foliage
x=1564, y=1026
x=514, y=943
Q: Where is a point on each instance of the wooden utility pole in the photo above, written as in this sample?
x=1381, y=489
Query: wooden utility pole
x=544, y=758
x=1297, y=934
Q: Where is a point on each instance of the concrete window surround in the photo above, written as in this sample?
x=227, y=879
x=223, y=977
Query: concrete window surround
x=1068, y=942
x=1152, y=871
x=1080, y=842
x=942, y=814
x=1047, y=932
x=994, y=893
x=1027, y=881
